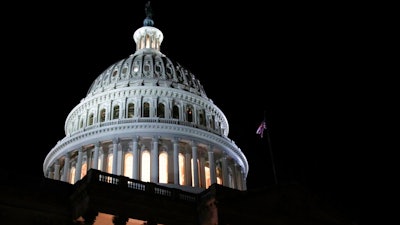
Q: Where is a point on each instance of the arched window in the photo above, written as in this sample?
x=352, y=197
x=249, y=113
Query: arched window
x=158, y=68
x=146, y=109
x=161, y=110
x=90, y=121
x=115, y=72
x=202, y=118
x=131, y=110
x=189, y=114
x=102, y=115
x=175, y=112
x=145, y=172
x=128, y=165
x=163, y=167
x=212, y=122
x=124, y=71
x=116, y=112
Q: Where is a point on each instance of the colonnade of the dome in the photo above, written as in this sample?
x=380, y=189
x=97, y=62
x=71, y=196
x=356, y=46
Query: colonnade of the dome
x=162, y=160
x=148, y=37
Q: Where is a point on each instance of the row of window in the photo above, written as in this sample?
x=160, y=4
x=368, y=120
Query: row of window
x=145, y=112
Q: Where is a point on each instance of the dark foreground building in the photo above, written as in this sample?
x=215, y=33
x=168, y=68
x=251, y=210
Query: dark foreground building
x=101, y=198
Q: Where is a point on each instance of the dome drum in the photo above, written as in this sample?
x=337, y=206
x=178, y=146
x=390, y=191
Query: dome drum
x=189, y=142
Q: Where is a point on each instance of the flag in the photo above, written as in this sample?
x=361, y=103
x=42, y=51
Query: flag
x=261, y=128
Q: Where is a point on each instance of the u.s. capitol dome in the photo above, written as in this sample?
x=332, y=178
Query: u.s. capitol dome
x=148, y=118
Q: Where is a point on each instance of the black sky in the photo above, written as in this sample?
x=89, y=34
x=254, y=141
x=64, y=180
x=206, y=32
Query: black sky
x=291, y=63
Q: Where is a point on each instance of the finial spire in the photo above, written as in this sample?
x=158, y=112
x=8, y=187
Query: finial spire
x=148, y=21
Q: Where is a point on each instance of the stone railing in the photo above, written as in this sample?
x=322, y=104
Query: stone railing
x=124, y=183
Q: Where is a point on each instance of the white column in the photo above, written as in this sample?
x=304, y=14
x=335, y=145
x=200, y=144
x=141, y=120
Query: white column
x=154, y=161
x=188, y=169
x=195, y=165
x=115, y=156
x=65, y=176
x=239, y=177
x=176, y=161
x=236, y=176
x=244, y=182
x=50, y=174
x=135, y=158
x=103, y=158
x=211, y=161
x=78, y=166
x=95, y=164
x=120, y=158
x=57, y=171
x=225, y=179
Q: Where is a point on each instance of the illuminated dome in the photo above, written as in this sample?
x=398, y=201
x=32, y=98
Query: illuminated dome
x=148, y=118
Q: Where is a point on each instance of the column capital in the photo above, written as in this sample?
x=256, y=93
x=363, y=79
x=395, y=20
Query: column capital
x=210, y=148
x=97, y=144
x=115, y=140
x=176, y=139
x=135, y=138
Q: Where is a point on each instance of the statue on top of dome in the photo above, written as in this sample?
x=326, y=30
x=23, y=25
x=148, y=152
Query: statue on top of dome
x=148, y=21
x=148, y=10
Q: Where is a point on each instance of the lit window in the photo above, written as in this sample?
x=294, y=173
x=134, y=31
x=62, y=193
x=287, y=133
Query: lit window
x=128, y=165
x=208, y=176
x=163, y=167
x=181, y=169
x=100, y=163
x=72, y=175
x=84, y=169
x=145, y=175
x=109, y=163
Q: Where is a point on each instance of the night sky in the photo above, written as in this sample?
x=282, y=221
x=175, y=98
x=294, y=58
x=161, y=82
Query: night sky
x=291, y=64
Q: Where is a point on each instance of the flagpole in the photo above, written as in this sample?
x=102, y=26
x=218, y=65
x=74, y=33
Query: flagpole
x=263, y=126
x=272, y=157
